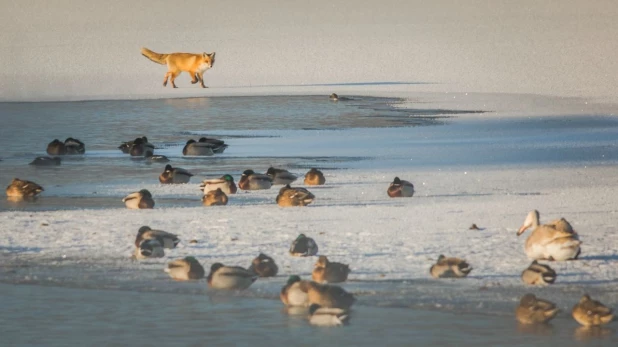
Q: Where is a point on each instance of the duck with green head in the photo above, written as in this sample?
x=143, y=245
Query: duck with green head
x=303, y=246
x=264, y=266
x=168, y=240
x=292, y=294
x=280, y=176
x=229, y=277
x=225, y=182
x=174, y=175
x=198, y=148
x=249, y=180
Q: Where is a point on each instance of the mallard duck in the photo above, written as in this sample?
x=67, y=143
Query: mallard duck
x=139, y=200
x=149, y=248
x=185, y=269
x=229, y=277
x=588, y=312
x=325, y=271
x=218, y=145
x=250, y=180
x=74, y=146
x=538, y=274
x=46, y=161
x=292, y=294
x=141, y=147
x=174, y=175
x=264, y=266
x=215, y=198
x=225, y=182
x=56, y=147
x=314, y=177
x=553, y=241
x=334, y=97
x=327, y=295
x=23, y=189
x=450, y=268
x=289, y=197
x=280, y=176
x=327, y=317
x=532, y=310
x=400, y=189
x=198, y=148
x=156, y=158
x=167, y=240
x=303, y=246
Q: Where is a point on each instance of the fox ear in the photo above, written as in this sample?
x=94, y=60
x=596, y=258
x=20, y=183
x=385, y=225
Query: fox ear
x=212, y=55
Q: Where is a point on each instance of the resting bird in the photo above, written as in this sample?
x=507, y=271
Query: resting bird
x=538, y=275
x=314, y=177
x=56, y=147
x=250, y=180
x=325, y=271
x=74, y=146
x=218, y=146
x=185, y=269
x=225, y=182
x=303, y=246
x=23, y=189
x=450, y=268
x=264, y=266
x=532, y=310
x=324, y=316
x=229, y=277
x=280, y=176
x=139, y=200
x=292, y=294
x=327, y=295
x=400, y=189
x=46, y=161
x=167, y=240
x=588, y=312
x=215, y=198
x=141, y=147
x=198, y=148
x=289, y=197
x=553, y=241
x=174, y=175
x=149, y=248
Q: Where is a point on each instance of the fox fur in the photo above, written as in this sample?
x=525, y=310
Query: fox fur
x=193, y=63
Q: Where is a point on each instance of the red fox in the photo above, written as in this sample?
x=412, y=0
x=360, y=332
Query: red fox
x=193, y=63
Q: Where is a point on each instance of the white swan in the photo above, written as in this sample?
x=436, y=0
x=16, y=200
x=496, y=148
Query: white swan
x=553, y=241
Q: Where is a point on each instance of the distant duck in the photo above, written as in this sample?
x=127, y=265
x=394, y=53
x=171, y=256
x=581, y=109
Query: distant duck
x=167, y=240
x=250, y=180
x=23, y=189
x=314, y=177
x=156, y=158
x=538, y=274
x=56, y=147
x=400, y=188
x=450, y=268
x=198, y=148
x=334, y=97
x=292, y=294
x=327, y=317
x=225, y=182
x=215, y=198
x=264, y=266
x=174, y=175
x=588, y=312
x=553, y=241
x=74, y=146
x=327, y=295
x=185, y=269
x=46, y=161
x=303, y=246
x=139, y=200
x=141, y=147
x=289, y=197
x=532, y=310
x=125, y=147
x=149, y=248
x=218, y=145
x=325, y=271
x=229, y=277
x=280, y=176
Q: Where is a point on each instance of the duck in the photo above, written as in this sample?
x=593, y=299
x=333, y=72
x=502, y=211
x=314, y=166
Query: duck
x=325, y=271
x=314, y=177
x=149, y=248
x=327, y=317
x=185, y=269
x=23, y=189
x=303, y=246
x=198, y=148
x=230, y=277
x=225, y=182
x=400, y=189
x=56, y=147
x=532, y=310
x=174, y=175
x=538, y=274
x=125, y=147
x=280, y=176
x=450, y=268
x=555, y=241
x=589, y=312
x=139, y=200
x=74, y=146
x=292, y=294
x=218, y=145
x=215, y=198
x=156, y=158
x=264, y=266
x=289, y=197
x=249, y=180
x=141, y=147
x=46, y=161
x=327, y=295
x=167, y=240
x=333, y=97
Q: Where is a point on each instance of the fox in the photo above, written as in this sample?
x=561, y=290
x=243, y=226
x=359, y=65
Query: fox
x=193, y=63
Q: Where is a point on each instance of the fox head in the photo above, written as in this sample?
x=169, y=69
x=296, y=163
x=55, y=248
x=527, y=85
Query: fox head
x=209, y=58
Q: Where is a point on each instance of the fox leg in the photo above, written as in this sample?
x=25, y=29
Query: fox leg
x=165, y=78
x=174, y=74
x=200, y=76
x=194, y=77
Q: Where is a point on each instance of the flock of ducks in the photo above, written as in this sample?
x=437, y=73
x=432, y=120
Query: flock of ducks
x=326, y=304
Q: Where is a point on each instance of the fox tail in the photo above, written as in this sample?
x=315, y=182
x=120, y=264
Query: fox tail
x=156, y=57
